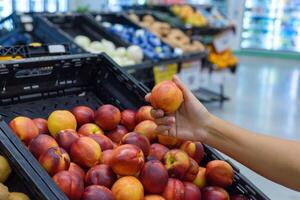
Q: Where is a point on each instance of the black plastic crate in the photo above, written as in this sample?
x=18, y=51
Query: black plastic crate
x=68, y=26
x=8, y=25
x=64, y=82
x=37, y=86
x=23, y=177
x=21, y=32
x=33, y=51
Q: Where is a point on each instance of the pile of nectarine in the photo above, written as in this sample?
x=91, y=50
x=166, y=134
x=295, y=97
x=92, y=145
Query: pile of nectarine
x=108, y=154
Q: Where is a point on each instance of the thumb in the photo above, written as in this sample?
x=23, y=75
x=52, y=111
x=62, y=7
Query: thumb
x=186, y=92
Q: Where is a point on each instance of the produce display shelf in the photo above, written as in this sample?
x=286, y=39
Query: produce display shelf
x=23, y=177
x=30, y=51
x=142, y=13
x=161, y=11
x=120, y=18
x=143, y=73
x=67, y=81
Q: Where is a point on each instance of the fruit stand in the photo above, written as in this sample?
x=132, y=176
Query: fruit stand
x=82, y=84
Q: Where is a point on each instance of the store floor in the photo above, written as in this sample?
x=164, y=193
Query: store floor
x=265, y=97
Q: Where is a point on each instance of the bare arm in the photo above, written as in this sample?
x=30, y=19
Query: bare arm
x=275, y=159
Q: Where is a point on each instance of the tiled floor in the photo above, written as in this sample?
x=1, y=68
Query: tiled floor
x=265, y=97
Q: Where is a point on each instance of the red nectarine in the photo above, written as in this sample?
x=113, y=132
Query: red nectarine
x=219, y=173
x=116, y=134
x=41, y=144
x=128, y=119
x=42, y=125
x=90, y=129
x=147, y=128
x=83, y=115
x=97, y=192
x=157, y=151
x=100, y=175
x=214, y=193
x=174, y=190
x=177, y=163
x=65, y=138
x=86, y=152
x=107, y=117
x=127, y=160
x=24, y=128
x=55, y=160
x=138, y=140
x=71, y=184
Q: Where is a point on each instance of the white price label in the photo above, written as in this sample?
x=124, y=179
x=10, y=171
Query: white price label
x=190, y=74
x=223, y=41
x=57, y=48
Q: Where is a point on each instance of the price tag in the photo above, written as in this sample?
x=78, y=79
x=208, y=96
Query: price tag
x=223, y=41
x=164, y=72
x=57, y=48
x=190, y=74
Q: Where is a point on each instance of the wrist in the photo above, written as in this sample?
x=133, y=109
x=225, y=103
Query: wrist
x=211, y=130
x=203, y=129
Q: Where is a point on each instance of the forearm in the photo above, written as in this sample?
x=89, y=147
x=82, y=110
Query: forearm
x=276, y=159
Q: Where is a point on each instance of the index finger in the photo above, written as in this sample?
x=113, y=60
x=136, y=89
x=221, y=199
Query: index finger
x=157, y=113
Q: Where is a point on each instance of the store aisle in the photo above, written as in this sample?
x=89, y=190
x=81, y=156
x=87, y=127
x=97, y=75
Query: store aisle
x=265, y=97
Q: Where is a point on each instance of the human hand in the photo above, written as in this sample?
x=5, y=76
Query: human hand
x=189, y=122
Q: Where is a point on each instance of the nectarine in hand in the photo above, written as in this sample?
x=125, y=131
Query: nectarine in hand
x=166, y=96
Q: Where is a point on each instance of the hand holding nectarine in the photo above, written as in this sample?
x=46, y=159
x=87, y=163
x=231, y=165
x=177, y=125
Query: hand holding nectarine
x=189, y=122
